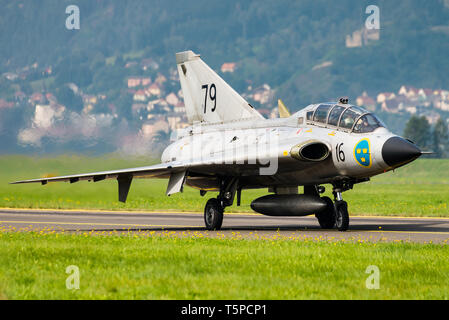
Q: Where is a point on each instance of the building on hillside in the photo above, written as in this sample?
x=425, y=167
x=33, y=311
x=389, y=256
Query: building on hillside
x=36, y=97
x=153, y=90
x=411, y=109
x=146, y=81
x=172, y=99
x=134, y=82
x=409, y=92
x=384, y=96
x=432, y=117
x=366, y=101
x=441, y=95
x=425, y=93
x=158, y=106
x=152, y=103
x=445, y=95
x=354, y=40
x=50, y=97
x=262, y=94
x=44, y=115
x=174, y=121
x=437, y=93
x=179, y=108
x=88, y=99
x=140, y=96
x=138, y=81
x=442, y=105
x=362, y=37
x=150, y=129
x=228, y=67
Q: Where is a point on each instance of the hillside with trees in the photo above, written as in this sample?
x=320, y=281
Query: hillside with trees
x=299, y=48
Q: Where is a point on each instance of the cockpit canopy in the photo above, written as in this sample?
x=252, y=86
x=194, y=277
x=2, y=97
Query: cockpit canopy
x=347, y=117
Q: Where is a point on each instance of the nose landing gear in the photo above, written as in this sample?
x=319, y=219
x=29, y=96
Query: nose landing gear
x=340, y=206
x=341, y=212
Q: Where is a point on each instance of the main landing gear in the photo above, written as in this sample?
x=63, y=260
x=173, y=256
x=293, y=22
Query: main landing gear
x=213, y=212
x=336, y=214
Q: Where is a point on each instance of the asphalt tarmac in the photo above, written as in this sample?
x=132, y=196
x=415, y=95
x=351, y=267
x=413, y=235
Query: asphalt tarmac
x=252, y=226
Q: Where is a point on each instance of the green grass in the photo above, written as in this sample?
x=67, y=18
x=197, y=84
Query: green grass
x=418, y=189
x=33, y=265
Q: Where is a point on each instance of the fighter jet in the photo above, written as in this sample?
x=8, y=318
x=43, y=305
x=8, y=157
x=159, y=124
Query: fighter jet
x=229, y=147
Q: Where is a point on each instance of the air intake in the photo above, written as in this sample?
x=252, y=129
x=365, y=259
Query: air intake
x=311, y=150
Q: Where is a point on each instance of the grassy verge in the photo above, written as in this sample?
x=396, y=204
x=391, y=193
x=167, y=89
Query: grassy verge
x=33, y=266
x=419, y=189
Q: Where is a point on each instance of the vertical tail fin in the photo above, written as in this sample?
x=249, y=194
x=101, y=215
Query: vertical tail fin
x=207, y=97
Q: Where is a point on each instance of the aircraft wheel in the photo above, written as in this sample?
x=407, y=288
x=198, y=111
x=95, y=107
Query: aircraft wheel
x=326, y=218
x=213, y=214
x=341, y=215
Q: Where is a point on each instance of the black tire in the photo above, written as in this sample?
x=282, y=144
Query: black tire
x=213, y=214
x=326, y=218
x=341, y=215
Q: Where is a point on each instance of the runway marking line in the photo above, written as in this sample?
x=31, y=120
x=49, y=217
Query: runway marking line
x=97, y=224
x=402, y=231
x=193, y=212
x=182, y=226
x=116, y=212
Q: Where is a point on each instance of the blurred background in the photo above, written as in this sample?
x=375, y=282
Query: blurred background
x=112, y=84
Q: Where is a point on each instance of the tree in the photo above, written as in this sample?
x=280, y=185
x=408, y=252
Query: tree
x=68, y=98
x=440, y=139
x=124, y=106
x=162, y=137
x=417, y=129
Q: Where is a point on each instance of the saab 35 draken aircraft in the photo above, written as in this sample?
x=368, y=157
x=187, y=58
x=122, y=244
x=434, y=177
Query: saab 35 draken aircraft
x=229, y=147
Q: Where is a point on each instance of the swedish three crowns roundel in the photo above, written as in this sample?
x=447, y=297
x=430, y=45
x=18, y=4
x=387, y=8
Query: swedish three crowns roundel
x=362, y=153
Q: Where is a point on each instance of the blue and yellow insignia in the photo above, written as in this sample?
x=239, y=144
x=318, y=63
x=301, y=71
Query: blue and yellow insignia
x=362, y=153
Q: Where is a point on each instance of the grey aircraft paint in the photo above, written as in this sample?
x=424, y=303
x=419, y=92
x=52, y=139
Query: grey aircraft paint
x=229, y=147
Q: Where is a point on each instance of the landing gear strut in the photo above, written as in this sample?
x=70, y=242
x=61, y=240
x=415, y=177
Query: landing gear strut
x=214, y=209
x=341, y=211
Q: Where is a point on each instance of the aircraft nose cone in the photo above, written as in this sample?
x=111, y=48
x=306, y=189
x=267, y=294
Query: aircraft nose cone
x=397, y=152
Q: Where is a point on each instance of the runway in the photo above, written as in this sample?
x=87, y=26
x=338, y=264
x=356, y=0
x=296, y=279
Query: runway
x=251, y=226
